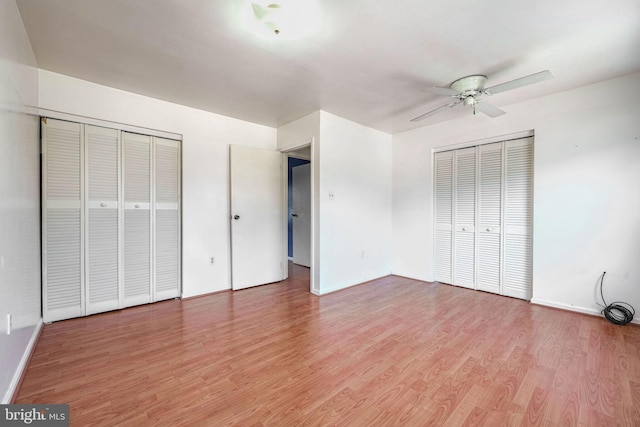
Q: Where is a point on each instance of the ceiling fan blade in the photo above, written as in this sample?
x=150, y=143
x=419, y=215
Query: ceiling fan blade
x=488, y=109
x=522, y=81
x=436, y=111
x=446, y=91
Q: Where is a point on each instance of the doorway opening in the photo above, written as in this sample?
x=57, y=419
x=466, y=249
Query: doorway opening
x=298, y=204
x=299, y=216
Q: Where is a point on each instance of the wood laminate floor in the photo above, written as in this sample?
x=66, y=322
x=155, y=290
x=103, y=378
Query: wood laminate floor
x=393, y=351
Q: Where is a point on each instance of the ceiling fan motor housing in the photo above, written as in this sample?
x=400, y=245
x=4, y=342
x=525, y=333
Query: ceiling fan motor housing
x=470, y=85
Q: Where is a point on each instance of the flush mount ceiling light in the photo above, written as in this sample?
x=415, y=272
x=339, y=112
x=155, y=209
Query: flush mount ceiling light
x=282, y=19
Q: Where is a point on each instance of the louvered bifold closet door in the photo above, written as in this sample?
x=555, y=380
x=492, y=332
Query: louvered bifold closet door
x=102, y=147
x=489, y=217
x=443, y=216
x=464, y=262
x=62, y=222
x=167, y=219
x=137, y=218
x=518, y=218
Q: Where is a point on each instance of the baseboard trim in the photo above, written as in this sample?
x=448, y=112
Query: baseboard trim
x=189, y=297
x=575, y=308
x=331, y=291
x=16, y=382
x=419, y=279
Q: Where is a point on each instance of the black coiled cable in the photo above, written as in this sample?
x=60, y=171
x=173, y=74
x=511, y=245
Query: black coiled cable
x=619, y=313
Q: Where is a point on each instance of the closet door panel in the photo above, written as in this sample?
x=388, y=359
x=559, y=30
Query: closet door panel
x=489, y=264
x=62, y=235
x=489, y=217
x=518, y=218
x=63, y=289
x=167, y=255
x=102, y=255
x=167, y=219
x=137, y=219
x=443, y=185
x=137, y=257
x=465, y=217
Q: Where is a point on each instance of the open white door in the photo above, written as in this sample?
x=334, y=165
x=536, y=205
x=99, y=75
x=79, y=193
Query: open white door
x=301, y=190
x=256, y=217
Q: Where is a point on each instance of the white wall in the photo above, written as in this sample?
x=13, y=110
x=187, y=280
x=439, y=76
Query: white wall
x=586, y=196
x=354, y=164
x=412, y=206
x=299, y=131
x=205, y=164
x=19, y=199
x=352, y=230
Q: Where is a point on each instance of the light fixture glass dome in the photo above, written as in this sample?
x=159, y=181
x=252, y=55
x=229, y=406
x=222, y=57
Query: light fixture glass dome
x=283, y=19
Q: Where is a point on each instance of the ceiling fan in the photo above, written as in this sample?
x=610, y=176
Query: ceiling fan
x=467, y=90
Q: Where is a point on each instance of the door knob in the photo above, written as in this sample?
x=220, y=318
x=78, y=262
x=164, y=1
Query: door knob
x=488, y=229
x=464, y=228
x=103, y=205
x=294, y=214
x=236, y=217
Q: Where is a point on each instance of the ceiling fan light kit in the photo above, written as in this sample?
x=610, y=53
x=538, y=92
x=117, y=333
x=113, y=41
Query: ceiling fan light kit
x=467, y=90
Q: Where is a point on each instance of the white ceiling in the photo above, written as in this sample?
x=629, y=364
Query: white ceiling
x=370, y=63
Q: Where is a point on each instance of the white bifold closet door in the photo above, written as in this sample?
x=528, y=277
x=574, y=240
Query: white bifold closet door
x=102, y=150
x=464, y=262
x=518, y=222
x=489, y=217
x=110, y=219
x=62, y=220
x=137, y=218
x=444, y=217
x=167, y=219
x=485, y=241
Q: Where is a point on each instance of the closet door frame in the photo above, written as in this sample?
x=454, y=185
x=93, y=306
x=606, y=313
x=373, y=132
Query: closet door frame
x=504, y=139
